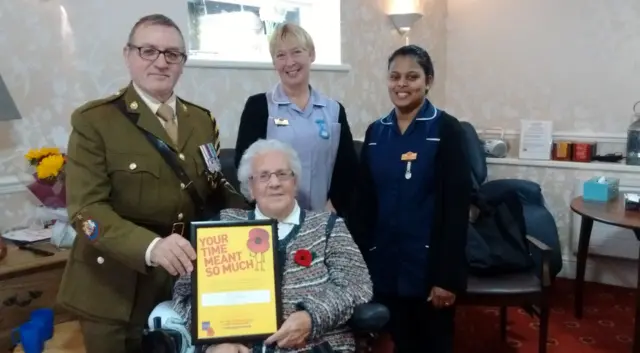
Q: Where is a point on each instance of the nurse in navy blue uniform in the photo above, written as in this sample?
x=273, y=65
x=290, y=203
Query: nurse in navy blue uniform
x=412, y=208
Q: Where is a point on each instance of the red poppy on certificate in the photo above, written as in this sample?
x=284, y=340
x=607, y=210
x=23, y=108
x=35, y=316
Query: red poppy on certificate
x=236, y=281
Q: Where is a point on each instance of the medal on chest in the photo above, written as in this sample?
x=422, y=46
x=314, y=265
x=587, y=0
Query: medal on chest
x=210, y=156
x=408, y=157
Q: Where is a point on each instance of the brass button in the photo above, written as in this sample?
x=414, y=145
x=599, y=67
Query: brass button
x=182, y=186
x=180, y=216
x=181, y=156
x=100, y=260
x=133, y=166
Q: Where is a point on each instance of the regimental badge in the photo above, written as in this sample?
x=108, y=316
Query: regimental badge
x=90, y=229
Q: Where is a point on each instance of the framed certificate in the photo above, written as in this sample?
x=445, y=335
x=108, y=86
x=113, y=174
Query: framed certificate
x=236, y=282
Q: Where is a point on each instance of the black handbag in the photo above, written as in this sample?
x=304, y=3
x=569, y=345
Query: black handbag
x=497, y=242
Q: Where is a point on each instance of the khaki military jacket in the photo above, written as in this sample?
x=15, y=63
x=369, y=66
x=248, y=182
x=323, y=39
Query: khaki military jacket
x=117, y=180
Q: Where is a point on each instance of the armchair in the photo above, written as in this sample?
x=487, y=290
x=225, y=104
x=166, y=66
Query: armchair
x=529, y=290
x=539, y=221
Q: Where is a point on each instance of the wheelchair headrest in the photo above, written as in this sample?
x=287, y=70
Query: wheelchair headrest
x=227, y=163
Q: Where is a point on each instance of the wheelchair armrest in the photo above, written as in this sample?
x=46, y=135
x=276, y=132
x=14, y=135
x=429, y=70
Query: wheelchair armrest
x=369, y=318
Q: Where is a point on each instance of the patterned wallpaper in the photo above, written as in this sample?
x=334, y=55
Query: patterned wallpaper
x=497, y=61
x=573, y=61
x=65, y=52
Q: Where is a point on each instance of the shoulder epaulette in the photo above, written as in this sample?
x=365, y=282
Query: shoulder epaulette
x=99, y=102
x=189, y=104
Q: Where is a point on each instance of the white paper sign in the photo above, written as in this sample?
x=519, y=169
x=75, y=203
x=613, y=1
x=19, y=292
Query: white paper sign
x=536, y=139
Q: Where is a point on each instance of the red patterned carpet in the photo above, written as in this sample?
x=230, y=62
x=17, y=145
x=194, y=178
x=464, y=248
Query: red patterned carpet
x=606, y=326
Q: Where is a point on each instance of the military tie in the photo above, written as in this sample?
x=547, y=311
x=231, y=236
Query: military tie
x=165, y=112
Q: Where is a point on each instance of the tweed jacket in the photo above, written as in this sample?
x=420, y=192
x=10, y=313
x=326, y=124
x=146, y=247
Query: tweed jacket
x=336, y=282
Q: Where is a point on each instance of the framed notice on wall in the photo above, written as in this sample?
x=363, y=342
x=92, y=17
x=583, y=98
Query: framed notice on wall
x=236, y=281
x=536, y=139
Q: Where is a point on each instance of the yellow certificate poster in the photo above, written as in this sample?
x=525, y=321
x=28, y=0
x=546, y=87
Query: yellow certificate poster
x=235, y=286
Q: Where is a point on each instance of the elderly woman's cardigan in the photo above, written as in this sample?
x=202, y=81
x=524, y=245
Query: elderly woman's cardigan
x=328, y=290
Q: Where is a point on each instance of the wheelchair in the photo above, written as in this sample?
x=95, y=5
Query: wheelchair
x=367, y=320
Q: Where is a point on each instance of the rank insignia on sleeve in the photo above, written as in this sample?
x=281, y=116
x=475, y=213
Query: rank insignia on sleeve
x=90, y=229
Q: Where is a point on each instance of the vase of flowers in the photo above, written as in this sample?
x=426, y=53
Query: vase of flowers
x=48, y=185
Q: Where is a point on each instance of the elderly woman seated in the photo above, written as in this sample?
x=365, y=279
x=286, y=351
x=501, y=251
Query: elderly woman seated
x=317, y=300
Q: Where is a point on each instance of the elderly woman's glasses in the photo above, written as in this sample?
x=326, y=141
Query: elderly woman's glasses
x=282, y=175
x=152, y=54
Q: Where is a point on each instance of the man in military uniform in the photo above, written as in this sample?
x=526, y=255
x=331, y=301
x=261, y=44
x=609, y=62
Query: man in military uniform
x=129, y=203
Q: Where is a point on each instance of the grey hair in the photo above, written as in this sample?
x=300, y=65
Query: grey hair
x=261, y=147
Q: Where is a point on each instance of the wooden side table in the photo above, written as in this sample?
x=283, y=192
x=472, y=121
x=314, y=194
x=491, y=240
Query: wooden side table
x=612, y=213
x=28, y=281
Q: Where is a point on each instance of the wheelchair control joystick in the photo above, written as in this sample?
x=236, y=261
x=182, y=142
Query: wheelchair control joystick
x=157, y=323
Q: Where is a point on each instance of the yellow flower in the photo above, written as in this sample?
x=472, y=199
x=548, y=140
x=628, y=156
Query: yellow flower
x=47, y=151
x=50, y=166
x=35, y=155
x=32, y=155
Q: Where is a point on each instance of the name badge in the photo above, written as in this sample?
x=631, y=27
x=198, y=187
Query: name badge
x=409, y=156
x=281, y=122
x=210, y=157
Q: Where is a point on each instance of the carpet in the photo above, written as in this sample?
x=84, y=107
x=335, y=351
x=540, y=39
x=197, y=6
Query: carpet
x=606, y=325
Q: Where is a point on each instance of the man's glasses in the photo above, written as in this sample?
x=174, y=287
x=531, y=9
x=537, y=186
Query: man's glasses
x=152, y=54
x=282, y=175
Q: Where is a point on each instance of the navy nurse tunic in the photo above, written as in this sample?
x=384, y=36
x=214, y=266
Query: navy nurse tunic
x=402, y=167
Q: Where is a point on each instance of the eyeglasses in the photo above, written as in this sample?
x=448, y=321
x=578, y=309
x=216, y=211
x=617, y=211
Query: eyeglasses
x=152, y=54
x=281, y=175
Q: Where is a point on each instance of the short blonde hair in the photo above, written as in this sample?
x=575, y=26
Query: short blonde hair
x=284, y=30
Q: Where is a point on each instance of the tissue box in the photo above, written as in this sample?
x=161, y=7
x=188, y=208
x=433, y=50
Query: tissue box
x=600, y=189
x=631, y=202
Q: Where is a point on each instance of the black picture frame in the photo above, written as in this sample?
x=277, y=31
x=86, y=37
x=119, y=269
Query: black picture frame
x=195, y=304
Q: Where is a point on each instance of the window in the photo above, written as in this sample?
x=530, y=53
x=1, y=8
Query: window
x=239, y=30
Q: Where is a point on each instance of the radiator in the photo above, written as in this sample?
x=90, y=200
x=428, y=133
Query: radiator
x=606, y=240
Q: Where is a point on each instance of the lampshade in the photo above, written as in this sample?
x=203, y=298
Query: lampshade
x=404, y=21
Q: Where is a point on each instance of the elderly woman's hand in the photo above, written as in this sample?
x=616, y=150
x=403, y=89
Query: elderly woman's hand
x=441, y=298
x=294, y=331
x=227, y=348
